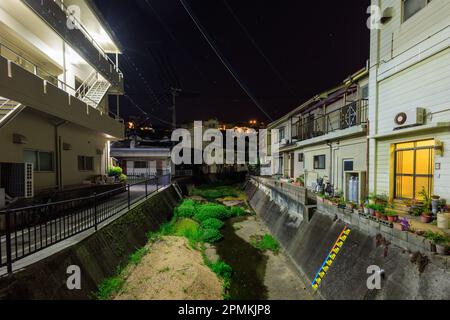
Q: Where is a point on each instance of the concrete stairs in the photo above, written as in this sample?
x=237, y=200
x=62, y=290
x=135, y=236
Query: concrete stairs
x=7, y=109
x=96, y=93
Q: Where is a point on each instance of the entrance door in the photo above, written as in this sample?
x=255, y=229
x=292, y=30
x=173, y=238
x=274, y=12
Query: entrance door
x=414, y=169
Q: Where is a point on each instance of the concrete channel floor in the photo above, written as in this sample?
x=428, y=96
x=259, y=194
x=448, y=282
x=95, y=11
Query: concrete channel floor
x=281, y=279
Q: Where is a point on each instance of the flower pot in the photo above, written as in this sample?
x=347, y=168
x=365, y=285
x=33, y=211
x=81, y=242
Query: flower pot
x=399, y=226
x=426, y=218
x=442, y=249
x=366, y=211
x=384, y=218
x=443, y=220
x=392, y=219
x=378, y=214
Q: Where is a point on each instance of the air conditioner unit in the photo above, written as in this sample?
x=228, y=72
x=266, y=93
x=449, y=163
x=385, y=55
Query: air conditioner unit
x=410, y=118
x=284, y=141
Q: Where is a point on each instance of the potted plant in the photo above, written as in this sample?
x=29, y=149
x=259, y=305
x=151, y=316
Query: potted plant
x=402, y=224
x=441, y=242
x=379, y=211
x=350, y=205
x=426, y=215
x=301, y=180
x=392, y=216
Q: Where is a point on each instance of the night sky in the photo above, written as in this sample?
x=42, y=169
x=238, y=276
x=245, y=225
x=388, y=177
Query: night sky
x=285, y=51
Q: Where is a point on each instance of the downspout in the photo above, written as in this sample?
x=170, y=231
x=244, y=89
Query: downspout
x=330, y=145
x=58, y=155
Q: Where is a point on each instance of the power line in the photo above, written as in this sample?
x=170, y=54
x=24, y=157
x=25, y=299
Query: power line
x=167, y=29
x=261, y=52
x=145, y=112
x=222, y=57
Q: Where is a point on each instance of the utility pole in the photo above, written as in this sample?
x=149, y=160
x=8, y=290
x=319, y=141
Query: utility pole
x=175, y=92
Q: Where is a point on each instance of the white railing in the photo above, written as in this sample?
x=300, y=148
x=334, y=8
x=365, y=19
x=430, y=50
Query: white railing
x=87, y=35
x=31, y=67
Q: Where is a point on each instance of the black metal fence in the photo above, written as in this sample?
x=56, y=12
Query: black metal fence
x=26, y=231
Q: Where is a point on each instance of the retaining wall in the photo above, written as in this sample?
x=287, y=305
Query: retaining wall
x=98, y=256
x=308, y=243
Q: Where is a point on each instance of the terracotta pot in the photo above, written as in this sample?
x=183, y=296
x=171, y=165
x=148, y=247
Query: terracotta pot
x=442, y=249
x=392, y=218
x=378, y=214
x=384, y=218
x=398, y=226
x=426, y=218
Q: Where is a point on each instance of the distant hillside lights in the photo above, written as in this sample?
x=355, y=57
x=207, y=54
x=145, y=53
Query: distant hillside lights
x=194, y=151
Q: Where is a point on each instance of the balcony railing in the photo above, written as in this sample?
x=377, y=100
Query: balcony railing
x=351, y=115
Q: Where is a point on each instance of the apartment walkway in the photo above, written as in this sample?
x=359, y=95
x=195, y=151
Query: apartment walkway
x=37, y=228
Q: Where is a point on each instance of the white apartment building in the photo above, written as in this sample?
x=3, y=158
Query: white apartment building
x=57, y=71
x=410, y=99
x=326, y=137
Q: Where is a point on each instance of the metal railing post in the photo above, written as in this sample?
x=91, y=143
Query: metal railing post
x=129, y=197
x=146, y=188
x=157, y=183
x=8, y=242
x=95, y=212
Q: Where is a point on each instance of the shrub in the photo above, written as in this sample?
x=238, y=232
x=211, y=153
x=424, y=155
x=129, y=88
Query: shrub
x=212, y=210
x=186, y=209
x=212, y=223
x=123, y=178
x=115, y=172
x=214, y=192
x=211, y=235
x=267, y=242
x=237, y=211
x=222, y=269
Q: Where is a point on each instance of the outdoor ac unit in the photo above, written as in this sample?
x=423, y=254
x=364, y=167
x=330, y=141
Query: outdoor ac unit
x=410, y=118
x=284, y=142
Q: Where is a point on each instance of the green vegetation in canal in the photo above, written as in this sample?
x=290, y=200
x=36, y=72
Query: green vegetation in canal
x=212, y=193
x=200, y=223
x=265, y=243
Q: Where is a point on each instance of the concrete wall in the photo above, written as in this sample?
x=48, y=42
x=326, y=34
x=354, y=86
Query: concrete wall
x=98, y=256
x=39, y=131
x=309, y=243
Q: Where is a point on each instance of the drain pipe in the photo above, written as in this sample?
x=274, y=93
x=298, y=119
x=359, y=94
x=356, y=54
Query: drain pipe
x=58, y=155
x=330, y=145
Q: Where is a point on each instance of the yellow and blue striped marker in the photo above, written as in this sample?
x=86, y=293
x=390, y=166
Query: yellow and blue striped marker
x=320, y=275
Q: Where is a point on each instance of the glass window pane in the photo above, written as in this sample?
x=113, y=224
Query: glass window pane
x=411, y=7
x=81, y=166
x=31, y=157
x=426, y=143
x=45, y=161
x=425, y=161
x=404, y=187
x=89, y=163
x=423, y=182
x=407, y=145
x=405, y=162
